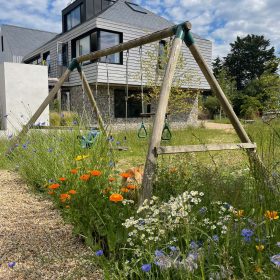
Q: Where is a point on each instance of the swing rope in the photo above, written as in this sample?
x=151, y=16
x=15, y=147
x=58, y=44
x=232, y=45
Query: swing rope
x=108, y=91
x=142, y=132
x=126, y=95
x=166, y=132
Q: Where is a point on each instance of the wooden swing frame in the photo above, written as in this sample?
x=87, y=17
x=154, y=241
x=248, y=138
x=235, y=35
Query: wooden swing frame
x=182, y=34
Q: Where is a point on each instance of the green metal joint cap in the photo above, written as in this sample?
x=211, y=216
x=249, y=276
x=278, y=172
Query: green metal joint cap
x=189, y=39
x=74, y=64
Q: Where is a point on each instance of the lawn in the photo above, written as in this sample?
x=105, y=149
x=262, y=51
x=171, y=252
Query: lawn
x=211, y=216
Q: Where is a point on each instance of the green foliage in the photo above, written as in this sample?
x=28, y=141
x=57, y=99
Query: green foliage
x=249, y=58
x=212, y=105
x=181, y=91
x=64, y=119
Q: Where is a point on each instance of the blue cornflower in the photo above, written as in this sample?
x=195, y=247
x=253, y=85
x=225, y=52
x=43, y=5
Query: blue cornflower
x=11, y=264
x=99, y=253
x=24, y=146
x=173, y=248
x=215, y=238
x=118, y=143
x=276, y=260
x=159, y=253
x=141, y=222
x=75, y=122
x=247, y=234
x=202, y=210
x=50, y=150
x=226, y=205
x=111, y=163
x=194, y=245
x=146, y=267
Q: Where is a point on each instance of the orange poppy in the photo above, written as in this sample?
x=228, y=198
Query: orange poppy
x=67, y=206
x=132, y=187
x=124, y=190
x=125, y=175
x=51, y=192
x=62, y=179
x=112, y=179
x=74, y=171
x=271, y=215
x=64, y=196
x=116, y=197
x=95, y=173
x=72, y=192
x=85, y=177
x=54, y=186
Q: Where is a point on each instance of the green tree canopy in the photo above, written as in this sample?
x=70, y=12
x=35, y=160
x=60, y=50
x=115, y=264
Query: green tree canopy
x=249, y=58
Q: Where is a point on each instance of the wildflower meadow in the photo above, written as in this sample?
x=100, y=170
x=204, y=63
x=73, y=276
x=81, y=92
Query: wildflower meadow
x=212, y=215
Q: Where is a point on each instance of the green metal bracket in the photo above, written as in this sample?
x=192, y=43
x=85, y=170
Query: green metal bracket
x=166, y=132
x=189, y=39
x=74, y=64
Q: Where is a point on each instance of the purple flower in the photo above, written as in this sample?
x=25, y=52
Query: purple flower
x=50, y=150
x=11, y=264
x=173, y=248
x=99, y=253
x=215, y=238
x=247, y=234
x=24, y=146
x=146, y=267
x=276, y=260
x=194, y=246
x=159, y=253
x=10, y=136
x=118, y=143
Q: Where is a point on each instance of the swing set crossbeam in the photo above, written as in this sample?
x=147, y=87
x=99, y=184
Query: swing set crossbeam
x=161, y=150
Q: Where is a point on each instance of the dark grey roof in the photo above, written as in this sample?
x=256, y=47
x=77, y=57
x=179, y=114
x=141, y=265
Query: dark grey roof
x=121, y=12
x=24, y=40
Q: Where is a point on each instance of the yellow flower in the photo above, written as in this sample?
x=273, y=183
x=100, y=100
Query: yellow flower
x=239, y=213
x=260, y=248
x=79, y=158
x=271, y=215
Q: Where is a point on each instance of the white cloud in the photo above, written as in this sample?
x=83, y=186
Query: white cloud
x=218, y=20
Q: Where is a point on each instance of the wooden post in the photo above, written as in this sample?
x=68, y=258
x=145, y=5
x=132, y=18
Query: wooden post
x=92, y=100
x=151, y=160
x=39, y=111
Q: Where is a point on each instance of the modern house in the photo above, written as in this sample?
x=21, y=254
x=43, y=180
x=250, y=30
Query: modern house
x=16, y=42
x=90, y=25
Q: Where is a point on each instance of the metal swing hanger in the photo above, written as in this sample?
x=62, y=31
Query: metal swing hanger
x=108, y=90
x=142, y=132
x=126, y=95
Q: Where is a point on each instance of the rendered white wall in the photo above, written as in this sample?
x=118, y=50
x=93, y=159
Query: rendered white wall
x=23, y=88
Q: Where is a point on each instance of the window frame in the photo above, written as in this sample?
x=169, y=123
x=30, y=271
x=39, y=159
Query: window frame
x=69, y=15
x=95, y=44
x=2, y=43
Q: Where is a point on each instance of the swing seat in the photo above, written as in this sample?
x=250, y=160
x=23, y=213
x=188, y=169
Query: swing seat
x=166, y=133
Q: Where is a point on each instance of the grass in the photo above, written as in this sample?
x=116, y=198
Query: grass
x=211, y=207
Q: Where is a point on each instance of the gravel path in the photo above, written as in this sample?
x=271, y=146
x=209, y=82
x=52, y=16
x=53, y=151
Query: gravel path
x=33, y=235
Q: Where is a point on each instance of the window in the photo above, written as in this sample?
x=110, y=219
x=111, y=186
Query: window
x=65, y=54
x=107, y=40
x=136, y=7
x=73, y=18
x=161, y=55
x=134, y=104
x=96, y=40
x=2, y=43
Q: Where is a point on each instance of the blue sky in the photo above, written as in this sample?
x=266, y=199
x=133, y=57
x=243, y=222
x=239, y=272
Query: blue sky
x=217, y=20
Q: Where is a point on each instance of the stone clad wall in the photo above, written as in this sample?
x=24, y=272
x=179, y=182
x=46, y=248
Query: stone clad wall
x=80, y=103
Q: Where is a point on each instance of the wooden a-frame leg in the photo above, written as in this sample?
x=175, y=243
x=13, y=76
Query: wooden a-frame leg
x=151, y=160
x=92, y=100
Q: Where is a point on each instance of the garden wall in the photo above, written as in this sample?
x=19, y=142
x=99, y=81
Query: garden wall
x=22, y=90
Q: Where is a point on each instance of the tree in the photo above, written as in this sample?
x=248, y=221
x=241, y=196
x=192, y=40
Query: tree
x=249, y=58
x=217, y=66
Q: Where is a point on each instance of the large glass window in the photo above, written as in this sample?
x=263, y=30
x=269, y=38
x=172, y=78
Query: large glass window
x=134, y=104
x=107, y=40
x=96, y=40
x=73, y=18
